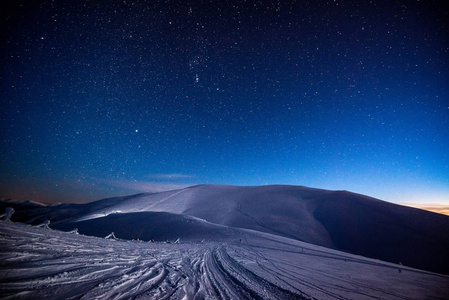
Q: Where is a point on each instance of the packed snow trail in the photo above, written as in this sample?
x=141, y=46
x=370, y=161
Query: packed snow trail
x=37, y=263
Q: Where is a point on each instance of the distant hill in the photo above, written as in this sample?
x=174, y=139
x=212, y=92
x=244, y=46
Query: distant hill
x=335, y=219
x=156, y=226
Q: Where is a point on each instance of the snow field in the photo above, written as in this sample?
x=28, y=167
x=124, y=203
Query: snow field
x=37, y=263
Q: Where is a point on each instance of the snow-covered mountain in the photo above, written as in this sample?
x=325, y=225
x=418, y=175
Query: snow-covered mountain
x=334, y=219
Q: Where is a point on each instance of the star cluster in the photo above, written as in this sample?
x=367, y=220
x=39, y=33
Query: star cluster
x=99, y=96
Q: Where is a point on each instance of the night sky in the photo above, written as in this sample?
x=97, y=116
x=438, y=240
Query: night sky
x=110, y=98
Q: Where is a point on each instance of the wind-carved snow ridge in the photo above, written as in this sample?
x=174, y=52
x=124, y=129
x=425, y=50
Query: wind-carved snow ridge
x=45, y=224
x=9, y=211
x=48, y=264
x=99, y=215
x=74, y=231
x=111, y=236
x=169, y=201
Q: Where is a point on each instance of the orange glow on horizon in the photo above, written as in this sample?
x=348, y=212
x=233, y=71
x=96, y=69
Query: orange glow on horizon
x=436, y=208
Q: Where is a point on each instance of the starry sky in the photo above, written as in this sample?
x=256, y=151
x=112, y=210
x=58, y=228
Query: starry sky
x=110, y=98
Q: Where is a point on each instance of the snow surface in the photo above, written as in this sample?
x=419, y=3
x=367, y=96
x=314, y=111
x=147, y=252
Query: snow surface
x=335, y=219
x=37, y=263
x=224, y=242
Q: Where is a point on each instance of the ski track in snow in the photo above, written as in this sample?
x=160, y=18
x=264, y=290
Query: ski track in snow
x=37, y=263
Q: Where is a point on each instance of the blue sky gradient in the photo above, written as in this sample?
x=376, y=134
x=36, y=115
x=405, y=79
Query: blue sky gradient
x=96, y=97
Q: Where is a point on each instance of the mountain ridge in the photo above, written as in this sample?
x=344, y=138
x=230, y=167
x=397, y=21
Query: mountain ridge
x=338, y=220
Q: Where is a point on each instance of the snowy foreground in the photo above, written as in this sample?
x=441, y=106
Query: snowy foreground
x=38, y=263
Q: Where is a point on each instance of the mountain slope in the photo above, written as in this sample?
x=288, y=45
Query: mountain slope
x=382, y=230
x=158, y=226
x=334, y=219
